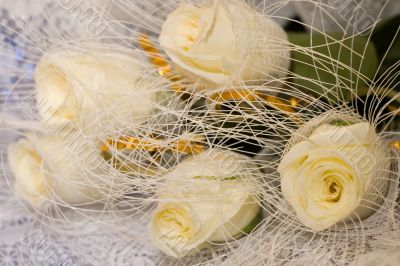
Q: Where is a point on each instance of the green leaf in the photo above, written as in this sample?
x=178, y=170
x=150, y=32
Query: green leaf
x=382, y=37
x=332, y=66
x=250, y=227
x=340, y=123
x=386, y=38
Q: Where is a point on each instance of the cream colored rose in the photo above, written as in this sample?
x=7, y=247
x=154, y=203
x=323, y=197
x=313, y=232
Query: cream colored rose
x=336, y=174
x=206, y=199
x=26, y=163
x=93, y=83
x=225, y=42
x=45, y=171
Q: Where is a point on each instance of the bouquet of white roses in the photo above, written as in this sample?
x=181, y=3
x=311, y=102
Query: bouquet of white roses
x=208, y=133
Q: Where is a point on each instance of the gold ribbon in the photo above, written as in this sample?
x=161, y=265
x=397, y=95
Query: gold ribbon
x=251, y=96
x=165, y=70
x=162, y=65
x=395, y=144
x=242, y=94
x=155, y=145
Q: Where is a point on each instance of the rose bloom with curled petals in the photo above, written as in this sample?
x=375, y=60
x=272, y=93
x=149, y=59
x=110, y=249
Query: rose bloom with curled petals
x=225, y=42
x=94, y=82
x=45, y=171
x=204, y=200
x=335, y=175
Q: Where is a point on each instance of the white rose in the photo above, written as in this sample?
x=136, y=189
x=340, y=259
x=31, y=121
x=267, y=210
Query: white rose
x=206, y=199
x=93, y=83
x=45, y=171
x=336, y=174
x=25, y=164
x=225, y=42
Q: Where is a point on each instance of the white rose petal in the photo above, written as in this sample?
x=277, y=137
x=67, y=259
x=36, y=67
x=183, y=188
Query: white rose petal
x=44, y=170
x=77, y=85
x=26, y=163
x=205, y=200
x=205, y=42
x=330, y=177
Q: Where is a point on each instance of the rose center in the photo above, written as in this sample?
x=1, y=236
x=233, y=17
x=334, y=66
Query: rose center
x=175, y=224
x=333, y=190
x=38, y=183
x=187, y=34
x=61, y=87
